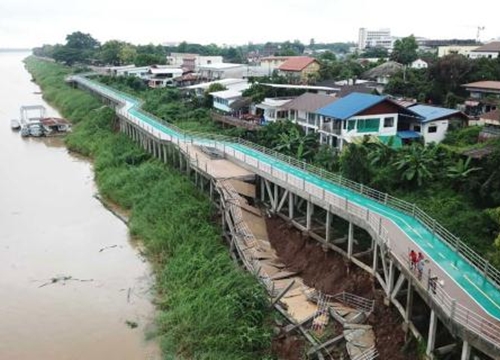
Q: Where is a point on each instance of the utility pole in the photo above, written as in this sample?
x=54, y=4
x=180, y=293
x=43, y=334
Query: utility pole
x=479, y=29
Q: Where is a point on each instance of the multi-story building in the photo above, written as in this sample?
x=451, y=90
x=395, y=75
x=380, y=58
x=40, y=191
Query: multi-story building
x=375, y=38
x=490, y=51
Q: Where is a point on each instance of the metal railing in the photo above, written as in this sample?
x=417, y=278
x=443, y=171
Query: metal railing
x=455, y=311
x=356, y=302
x=481, y=264
x=368, y=354
x=460, y=314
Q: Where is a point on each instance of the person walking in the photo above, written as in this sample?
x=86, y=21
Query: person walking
x=420, y=265
x=413, y=260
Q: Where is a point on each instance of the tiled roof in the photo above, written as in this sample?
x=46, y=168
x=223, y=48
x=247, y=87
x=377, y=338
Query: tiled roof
x=491, y=115
x=490, y=85
x=352, y=104
x=431, y=113
x=310, y=102
x=493, y=46
x=297, y=63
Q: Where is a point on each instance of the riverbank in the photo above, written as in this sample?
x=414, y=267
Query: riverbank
x=208, y=307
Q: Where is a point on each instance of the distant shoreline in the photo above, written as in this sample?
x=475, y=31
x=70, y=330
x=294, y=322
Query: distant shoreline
x=14, y=50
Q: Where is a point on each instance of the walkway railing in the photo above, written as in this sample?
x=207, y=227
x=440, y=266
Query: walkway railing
x=457, y=312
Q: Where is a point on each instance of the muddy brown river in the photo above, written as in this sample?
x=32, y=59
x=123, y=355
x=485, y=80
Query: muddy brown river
x=51, y=227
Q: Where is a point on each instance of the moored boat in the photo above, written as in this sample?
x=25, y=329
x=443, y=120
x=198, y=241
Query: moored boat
x=15, y=124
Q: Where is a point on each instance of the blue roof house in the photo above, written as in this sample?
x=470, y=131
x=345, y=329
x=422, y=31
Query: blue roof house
x=432, y=124
x=350, y=118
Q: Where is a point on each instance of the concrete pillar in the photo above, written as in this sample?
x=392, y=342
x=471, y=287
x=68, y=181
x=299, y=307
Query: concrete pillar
x=431, y=339
x=375, y=258
x=262, y=190
x=291, y=205
x=465, y=351
x=390, y=280
x=276, y=197
x=309, y=215
x=409, y=301
x=350, y=240
x=328, y=225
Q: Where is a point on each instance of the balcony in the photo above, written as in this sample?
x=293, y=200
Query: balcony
x=331, y=128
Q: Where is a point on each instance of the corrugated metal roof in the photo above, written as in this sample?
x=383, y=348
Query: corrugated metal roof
x=493, y=46
x=310, y=102
x=348, y=106
x=431, y=113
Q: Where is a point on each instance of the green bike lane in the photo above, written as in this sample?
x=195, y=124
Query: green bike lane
x=468, y=278
x=474, y=283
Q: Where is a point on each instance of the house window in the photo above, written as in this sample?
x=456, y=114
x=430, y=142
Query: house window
x=432, y=129
x=311, y=118
x=292, y=114
x=416, y=128
x=351, y=125
x=389, y=122
x=368, y=125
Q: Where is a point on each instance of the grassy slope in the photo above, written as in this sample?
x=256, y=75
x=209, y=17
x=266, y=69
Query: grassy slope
x=208, y=307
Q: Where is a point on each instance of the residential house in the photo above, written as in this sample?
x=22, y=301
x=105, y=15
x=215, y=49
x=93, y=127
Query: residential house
x=484, y=96
x=464, y=50
x=301, y=69
x=272, y=63
x=351, y=118
x=162, y=76
x=223, y=100
x=419, y=64
x=490, y=51
x=432, y=123
x=302, y=110
x=192, y=61
x=382, y=73
x=491, y=120
x=221, y=71
x=272, y=109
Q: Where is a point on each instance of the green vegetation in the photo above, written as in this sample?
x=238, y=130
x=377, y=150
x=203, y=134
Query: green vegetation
x=209, y=308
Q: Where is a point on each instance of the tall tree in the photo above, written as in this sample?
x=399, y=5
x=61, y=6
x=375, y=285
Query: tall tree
x=110, y=52
x=405, y=50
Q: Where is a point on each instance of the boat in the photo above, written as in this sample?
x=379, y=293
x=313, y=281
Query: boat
x=33, y=122
x=15, y=124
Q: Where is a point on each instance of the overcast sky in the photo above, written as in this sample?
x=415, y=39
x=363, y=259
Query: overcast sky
x=28, y=23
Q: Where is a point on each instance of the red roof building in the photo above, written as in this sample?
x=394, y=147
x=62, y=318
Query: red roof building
x=301, y=68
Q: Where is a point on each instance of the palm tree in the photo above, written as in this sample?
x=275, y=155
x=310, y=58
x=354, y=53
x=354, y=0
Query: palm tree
x=416, y=163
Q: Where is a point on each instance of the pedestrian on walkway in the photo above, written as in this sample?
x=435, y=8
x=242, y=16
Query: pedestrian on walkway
x=413, y=260
x=420, y=265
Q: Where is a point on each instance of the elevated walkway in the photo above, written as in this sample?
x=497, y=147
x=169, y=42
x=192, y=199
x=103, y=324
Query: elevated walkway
x=470, y=298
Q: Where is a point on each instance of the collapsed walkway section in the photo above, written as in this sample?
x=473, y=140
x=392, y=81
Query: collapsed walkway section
x=308, y=310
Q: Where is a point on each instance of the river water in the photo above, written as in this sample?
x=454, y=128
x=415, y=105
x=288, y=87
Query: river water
x=51, y=226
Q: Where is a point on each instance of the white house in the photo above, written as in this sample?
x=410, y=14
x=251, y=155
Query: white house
x=273, y=109
x=223, y=99
x=419, y=64
x=180, y=59
x=162, y=76
x=357, y=115
x=221, y=71
x=490, y=51
x=433, y=122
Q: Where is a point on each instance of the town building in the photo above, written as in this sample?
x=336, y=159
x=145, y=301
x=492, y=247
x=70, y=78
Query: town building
x=162, y=76
x=484, y=96
x=303, y=110
x=272, y=63
x=464, y=50
x=273, y=109
x=431, y=124
x=220, y=71
x=300, y=69
x=490, y=51
x=375, y=38
x=383, y=73
x=192, y=61
x=351, y=118
x=419, y=64
x=199, y=90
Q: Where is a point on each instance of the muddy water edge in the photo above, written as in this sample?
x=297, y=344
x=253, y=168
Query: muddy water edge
x=71, y=278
